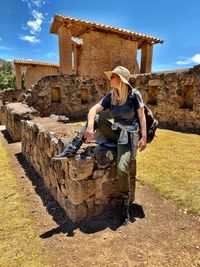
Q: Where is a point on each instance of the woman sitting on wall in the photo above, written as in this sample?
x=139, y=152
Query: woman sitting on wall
x=125, y=131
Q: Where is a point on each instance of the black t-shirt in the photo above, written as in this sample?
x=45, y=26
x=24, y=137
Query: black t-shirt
x=125, y=114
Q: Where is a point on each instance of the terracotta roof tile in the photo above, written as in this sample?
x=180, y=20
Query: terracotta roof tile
x=30, y=62
x=79, y=25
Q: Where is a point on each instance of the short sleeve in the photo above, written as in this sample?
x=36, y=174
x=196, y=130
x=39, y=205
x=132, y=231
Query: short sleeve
x=106, y=101
x=140, y=103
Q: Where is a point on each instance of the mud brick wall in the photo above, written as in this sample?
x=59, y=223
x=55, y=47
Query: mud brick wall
x=102, y=52
x=174, y=97
x=35, y=72
x=70, y=95
x=13, y=114
x=82, y=186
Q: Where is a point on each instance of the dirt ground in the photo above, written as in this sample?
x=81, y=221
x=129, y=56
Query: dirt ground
x=161, y=234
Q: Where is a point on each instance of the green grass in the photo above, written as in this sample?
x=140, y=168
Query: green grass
x=171, y=165
x=19, y=243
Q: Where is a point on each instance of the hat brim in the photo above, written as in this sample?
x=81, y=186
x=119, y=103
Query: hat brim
x=109, y=74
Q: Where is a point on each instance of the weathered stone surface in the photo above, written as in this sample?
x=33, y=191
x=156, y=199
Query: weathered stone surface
x=156, y=82
x=82, y=186
x=84, y=167
x=2, y=114
x=173, y=96
x=10, y=96
x=15, y=112
x=72, y=103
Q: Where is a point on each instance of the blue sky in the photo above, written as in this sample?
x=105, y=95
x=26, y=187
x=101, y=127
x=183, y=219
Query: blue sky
x=25, y=24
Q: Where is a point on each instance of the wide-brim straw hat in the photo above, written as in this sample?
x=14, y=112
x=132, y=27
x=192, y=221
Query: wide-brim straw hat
x=122, y=72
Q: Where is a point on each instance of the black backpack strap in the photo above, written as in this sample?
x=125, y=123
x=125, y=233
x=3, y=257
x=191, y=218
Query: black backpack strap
x=133, y=98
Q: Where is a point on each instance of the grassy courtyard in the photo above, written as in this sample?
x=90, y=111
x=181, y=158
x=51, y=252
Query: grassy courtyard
x=171, y=165
x=19, y=243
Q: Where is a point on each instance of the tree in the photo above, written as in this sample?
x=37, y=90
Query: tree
x=7, y=76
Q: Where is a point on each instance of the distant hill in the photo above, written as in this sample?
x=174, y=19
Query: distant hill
x=7, y=75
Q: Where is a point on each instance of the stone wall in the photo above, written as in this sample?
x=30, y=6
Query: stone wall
x=67, y=94
x=10, y=95
x=84, y=185
x=101, y=52
x=2, y=114
x=13, y=113
x=35, y=72
x=173, y=96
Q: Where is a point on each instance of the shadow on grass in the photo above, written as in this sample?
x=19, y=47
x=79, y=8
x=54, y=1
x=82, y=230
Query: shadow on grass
x=89, y=225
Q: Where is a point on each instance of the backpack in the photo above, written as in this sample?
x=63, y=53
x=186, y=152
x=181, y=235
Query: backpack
x=151, y=122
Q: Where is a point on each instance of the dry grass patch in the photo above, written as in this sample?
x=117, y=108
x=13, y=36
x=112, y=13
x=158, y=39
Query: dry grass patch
x=171, y=165
x=19, y=243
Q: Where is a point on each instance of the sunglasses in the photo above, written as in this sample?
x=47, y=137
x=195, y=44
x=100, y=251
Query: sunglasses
x=113, y=76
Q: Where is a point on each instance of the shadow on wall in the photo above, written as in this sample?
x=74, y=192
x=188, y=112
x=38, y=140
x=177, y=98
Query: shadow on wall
x=65, y=225
x=7, y=136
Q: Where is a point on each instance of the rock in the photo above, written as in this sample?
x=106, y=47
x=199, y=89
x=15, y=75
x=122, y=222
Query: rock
x=83, y=186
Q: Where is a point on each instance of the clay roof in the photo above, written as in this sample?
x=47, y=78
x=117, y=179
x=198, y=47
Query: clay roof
x=30, y=62
x=79, y=27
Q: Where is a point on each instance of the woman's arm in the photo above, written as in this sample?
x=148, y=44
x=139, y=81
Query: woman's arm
x=143, y=141
x=91, y=117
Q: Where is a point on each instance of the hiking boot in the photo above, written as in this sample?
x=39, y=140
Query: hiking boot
x=125, y=215
x=72, y=147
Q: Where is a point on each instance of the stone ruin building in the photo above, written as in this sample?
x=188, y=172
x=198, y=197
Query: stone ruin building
x=33, y=71
x=100, y=47
x=88, y=48
x=87, y=184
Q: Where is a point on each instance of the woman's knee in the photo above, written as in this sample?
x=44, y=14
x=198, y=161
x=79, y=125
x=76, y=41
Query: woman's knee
x=122, y=170
x=101, y=122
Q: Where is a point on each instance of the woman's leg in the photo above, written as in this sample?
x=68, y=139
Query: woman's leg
x=126, y=162
x=123, y=162
x=104, y=127
x=100, y=123
x=126, y=173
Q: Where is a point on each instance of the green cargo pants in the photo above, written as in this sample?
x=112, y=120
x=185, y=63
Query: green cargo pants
x=126, y=160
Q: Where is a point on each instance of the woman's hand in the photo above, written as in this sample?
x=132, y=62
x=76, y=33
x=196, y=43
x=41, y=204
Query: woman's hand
x=91, y=118
x=89, y=134
x=142, y=144
x=143, y=141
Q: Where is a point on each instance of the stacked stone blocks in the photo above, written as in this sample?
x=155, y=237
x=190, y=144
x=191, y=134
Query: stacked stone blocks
x=82, y=186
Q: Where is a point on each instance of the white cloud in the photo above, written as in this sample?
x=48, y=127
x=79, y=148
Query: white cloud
x=195, y=59
x=35, y=25
x=36, y=3
x=30, y=38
